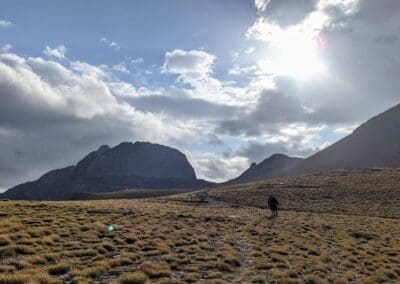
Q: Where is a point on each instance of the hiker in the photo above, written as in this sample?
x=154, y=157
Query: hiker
x=273, y=205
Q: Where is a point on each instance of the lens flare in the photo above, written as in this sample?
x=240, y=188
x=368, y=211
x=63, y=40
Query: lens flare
x=320, y=40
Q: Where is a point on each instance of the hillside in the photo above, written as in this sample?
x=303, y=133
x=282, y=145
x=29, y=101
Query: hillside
x=127, y=165
x=376, y=143
x=369, y=192
x=270, y=167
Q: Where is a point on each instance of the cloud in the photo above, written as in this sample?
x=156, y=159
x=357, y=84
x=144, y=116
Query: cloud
x=217, y=167
x=324, y=145
x=257, y=152
x=5, y=24
x=138, y=60
x=258, y=109
x=190, y=65
x=249, y=50
x=110, y=43
x=121, y=68
x=57, y=52
x=234, y=55
x=300, y=18
x=271, y=110
x=294, y=139
x=6, y=48
x=195, y=72
x=214, y=140
x=183, y=107
x=239, y=70
x=51, y=115
x=286, y=12
x=357, y=35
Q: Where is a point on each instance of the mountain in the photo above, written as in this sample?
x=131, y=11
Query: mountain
x=128, y=165
x=271, y=167
x=376, y=143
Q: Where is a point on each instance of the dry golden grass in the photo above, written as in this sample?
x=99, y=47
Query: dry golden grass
x=169, y=242
x=374, y=192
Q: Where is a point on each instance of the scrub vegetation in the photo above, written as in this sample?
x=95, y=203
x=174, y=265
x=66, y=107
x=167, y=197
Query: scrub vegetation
x=159, y=241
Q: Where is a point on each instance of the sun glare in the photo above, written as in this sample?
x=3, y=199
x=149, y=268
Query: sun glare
x=296, y=54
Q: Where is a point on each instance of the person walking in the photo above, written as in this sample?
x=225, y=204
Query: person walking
x=273, y=205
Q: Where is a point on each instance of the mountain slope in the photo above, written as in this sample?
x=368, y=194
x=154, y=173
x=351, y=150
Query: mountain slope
x=376, y=143
x=128, y=165
x=273, y=166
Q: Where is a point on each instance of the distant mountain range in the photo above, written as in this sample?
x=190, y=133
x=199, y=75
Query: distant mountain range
x=128, y=165
x=376, y=143
x=140, y=165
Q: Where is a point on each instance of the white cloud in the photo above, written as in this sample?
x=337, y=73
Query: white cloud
x=345, y=130
x=6, y=48
x=261, y=5
x=238, y=70
x=121, y=68
x=5, y=24
x=75, y=107
x=217, y=167
x=195, y=68
x=138, y=60
x=122, y=89
x=114, y=44
x=190, y=65
x=87, y=69
x=57, y=52
x=314, y=17
x=250, y=50
x=110, y=43
x=235, y=55
x=324, y=145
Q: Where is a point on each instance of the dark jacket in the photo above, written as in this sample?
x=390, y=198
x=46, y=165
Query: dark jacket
x=273, y=203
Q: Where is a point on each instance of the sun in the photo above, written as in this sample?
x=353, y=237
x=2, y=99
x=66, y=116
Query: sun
x=296, y=54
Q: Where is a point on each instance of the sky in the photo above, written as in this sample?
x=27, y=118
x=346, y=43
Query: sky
x=226, y=82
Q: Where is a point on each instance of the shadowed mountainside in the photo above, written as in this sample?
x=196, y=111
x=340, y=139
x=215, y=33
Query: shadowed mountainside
x=376, y=143
x=270, y=167
x=128, y=165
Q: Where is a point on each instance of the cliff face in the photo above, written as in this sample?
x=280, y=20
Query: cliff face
x=128, y=165
x=140, y=159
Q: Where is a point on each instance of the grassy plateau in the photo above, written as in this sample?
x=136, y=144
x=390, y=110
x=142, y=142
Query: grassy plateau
x=338, y=228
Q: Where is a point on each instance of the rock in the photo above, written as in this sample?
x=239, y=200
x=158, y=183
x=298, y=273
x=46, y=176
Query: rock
x=128, y=165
